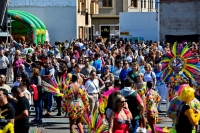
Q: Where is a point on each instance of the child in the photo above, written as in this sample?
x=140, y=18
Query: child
x=18, y=80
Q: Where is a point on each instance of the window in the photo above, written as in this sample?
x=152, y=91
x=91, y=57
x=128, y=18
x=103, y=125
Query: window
x=134, y=3
x=107, y=3
x=151, y=4
x=144, y=3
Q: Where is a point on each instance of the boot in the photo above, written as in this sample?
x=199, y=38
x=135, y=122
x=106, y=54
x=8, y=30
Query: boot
x=59, y=112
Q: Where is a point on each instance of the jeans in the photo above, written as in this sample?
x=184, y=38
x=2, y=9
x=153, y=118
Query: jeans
x=49, y=100
x=135, y=125
x=38, y=108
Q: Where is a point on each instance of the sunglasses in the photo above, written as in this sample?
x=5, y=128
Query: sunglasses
x=123, y=101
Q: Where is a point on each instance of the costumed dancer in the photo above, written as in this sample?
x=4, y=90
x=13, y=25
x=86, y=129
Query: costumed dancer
x=178, y=66
x=63, y=79
x=187, y=116
x=141, y=89
x=175, y=103
x=153, y=98
x=76, y=103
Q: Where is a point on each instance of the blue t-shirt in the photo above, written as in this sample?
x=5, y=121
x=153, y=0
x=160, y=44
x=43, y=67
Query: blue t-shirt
x=112, y=69
x=97, y=64
x=123, y=74
x=158, y=77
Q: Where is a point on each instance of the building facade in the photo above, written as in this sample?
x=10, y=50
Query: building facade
x=59, y=16
x=179, y=20
x=106, y=23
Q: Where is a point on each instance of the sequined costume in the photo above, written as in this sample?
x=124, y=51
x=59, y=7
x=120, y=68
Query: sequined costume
x=174, y=83
x=75, y=107
x=153, y=98
x=174, y=105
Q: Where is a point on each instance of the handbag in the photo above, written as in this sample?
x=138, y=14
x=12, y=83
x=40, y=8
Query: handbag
x=99, y=95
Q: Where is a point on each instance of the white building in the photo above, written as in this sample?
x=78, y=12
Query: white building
x=59, y=16
x=139, y=20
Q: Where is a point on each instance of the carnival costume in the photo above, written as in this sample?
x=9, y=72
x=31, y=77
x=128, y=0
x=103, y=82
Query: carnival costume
x=186, y=116
x=180, y=59
x=175, y=103
x=153, y=98
x=75, y=106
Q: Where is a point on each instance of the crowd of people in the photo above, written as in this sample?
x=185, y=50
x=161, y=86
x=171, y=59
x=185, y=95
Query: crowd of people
x=90, y=68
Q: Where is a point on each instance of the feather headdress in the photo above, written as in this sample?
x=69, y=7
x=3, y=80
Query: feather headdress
x=104, y=99
x=96, y=123
x=180, y=58
x=56, y=86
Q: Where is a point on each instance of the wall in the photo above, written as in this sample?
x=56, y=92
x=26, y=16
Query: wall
x=140, y=24
x=59, y=16
x=179, y=18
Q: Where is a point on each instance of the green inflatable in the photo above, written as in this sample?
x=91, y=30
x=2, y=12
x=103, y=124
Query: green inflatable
x=27, y=26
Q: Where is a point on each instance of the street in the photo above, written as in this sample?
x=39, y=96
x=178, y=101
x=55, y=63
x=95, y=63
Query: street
x=60, y=124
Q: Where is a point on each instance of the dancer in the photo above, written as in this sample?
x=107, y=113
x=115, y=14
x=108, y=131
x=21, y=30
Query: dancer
x=187, y=117
x=178, y=66
x=141, y=90
x=76, y=102
x=175, y=103
x=153, y=99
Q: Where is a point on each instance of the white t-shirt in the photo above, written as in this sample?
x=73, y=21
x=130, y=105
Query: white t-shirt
x=3, y=62
x=149, y=76
x=90, y=87
x=29, y=94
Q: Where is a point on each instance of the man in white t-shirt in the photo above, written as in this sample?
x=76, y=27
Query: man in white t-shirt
x=4, y=63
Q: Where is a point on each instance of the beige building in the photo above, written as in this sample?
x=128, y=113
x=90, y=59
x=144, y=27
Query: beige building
x=101, y=17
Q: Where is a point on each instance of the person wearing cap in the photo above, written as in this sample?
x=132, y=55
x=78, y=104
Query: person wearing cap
x=4, y=63
x=29, y=49
x=5, y=105
x=135, y=103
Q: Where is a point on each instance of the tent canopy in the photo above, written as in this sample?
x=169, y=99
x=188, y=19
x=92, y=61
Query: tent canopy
x=36, y=30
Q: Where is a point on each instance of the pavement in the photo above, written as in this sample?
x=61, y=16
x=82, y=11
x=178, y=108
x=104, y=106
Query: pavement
x=60, y=124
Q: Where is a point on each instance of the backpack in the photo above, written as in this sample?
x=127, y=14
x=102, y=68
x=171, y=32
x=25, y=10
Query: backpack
x=133, y=106
x=150, y=73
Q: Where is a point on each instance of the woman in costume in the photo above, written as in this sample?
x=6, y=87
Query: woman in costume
x=120, y=118
x=175, y=103
x=76, y=102
x=63, y=78
x=141, y=90
x=187, y=117
x=153, y=99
